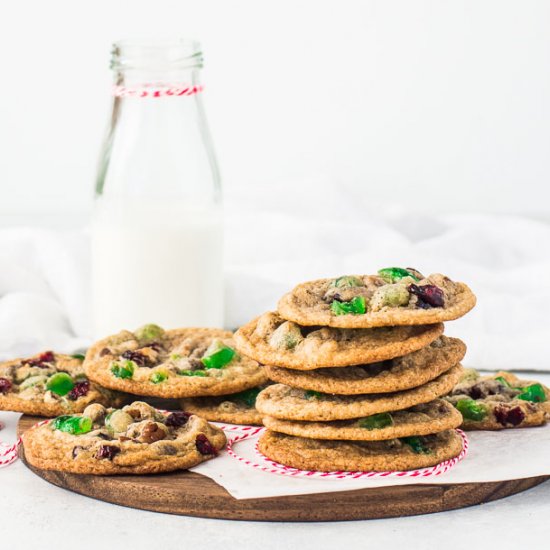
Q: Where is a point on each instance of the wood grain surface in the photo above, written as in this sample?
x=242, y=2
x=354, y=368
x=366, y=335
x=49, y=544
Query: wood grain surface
x=190, y=494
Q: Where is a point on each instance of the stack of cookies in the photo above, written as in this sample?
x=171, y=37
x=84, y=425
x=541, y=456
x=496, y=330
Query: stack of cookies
x=360, y=364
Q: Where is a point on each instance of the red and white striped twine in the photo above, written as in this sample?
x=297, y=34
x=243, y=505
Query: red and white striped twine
x=9, y=452
x=272, y=467
x=146, y=91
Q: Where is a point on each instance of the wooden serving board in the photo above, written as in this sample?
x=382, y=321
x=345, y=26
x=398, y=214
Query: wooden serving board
x=190, y=494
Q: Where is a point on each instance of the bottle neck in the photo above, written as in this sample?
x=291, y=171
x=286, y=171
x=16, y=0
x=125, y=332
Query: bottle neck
x=153, y=70
x=158, y=142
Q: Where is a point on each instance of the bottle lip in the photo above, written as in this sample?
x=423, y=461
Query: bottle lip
x=156, y=54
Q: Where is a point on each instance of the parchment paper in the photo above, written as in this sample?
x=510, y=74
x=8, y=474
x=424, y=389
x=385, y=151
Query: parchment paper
x=492, y=456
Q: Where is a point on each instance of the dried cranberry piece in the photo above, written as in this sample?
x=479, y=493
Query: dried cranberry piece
x=505, y=415
x=177, y=419
x=428, y=294
x=80, y=390
x=5, y=385
x=47, y=357
x=204, y=446
x=135, y=356
x=107, y=451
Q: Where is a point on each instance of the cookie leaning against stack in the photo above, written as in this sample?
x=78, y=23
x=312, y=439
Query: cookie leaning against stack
x=361, y=365
x=197, y=363
x=499, y=401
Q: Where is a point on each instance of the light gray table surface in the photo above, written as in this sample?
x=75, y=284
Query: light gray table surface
x=37, y=515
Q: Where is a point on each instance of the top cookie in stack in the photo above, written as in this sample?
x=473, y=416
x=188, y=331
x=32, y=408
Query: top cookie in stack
x=393, y=297
x=361, y=364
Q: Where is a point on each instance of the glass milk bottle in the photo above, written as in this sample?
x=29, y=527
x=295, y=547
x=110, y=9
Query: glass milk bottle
x=157, y=223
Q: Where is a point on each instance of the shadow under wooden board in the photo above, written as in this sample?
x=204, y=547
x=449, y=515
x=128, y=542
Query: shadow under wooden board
x=190, y=494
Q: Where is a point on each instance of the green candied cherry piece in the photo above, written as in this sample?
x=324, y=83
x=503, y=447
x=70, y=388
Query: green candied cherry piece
x=376, y=421
x=248, y=397
x=356, y=306
x=60, y=383
x=312, y=394
x=217, y=355
x=60, y=420
x=471, y=410
x=125, y=369
x=417, y=444
x=78, y=356
x=118, y=421
x=193, y=373
x=149, y=333
x=395, y=274
x=74, y=425
x=534, y=393
x=347, y=281
x=158, y=377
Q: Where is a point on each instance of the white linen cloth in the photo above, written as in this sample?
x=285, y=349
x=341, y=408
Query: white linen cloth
x=45, y=297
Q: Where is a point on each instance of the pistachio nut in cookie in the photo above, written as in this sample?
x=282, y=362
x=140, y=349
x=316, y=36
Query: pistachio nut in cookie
x=394, y=296
x=284, y=402
x=235, y=408
x=50, y=384
x=137, y=439
x=175, y=363
x=272, y=340
x=400, y=454
x=427, y=418
x=499, y=401
x=401, y=373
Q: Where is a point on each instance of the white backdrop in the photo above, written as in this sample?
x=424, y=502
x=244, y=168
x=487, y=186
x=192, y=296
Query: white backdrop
x=439, y=104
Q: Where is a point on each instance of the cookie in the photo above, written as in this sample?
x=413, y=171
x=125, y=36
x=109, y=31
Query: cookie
x=137, y=439
x=427, y=418
x=360, y=456
x=50, y=384
x=288, y=403
x=236, y=408
x=395, y=296
x=499, y=401
x=178, y=363
x=401, y=373
x=273, y=341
